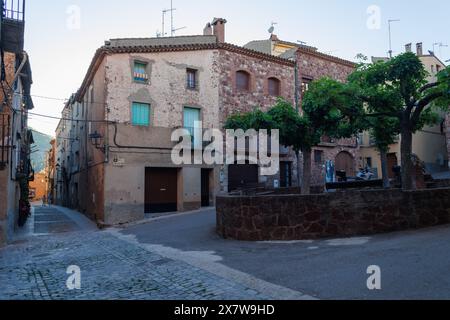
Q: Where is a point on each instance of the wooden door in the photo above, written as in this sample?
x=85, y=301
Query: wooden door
x=161, y=186
x=345, y=162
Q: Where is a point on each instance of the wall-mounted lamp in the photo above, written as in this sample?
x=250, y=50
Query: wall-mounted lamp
x=96, y=139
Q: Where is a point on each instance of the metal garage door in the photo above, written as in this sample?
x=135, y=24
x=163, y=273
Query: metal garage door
x=161, y=185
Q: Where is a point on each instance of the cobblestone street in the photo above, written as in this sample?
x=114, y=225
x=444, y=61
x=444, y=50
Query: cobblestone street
x=35, y=267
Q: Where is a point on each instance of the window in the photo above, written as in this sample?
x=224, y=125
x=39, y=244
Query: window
x=274, y=86
x=191, y=79
x=306, y=82
x=140, y=114
x=438, y=68
x=318, y=156
x=140, y=72
x=242, y=81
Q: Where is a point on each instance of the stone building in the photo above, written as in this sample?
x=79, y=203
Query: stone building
x=114, y=141
x=330, y=156
x=15, y=137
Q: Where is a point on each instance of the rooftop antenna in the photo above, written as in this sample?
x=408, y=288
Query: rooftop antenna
x=272, y=27
x=440, y=45
x=302, y=42
x=164, y=12
x=390, y=35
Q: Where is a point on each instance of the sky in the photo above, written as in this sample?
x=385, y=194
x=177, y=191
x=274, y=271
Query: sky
x=61, y=36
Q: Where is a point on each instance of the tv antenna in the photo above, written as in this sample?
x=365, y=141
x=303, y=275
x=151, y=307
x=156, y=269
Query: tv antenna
x=390, y=35
x=172, y=28
x=440, y=45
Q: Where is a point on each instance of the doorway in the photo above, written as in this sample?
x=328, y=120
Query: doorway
x=392, y=162
x=161, y=190
x=346, y=163
x=206, y=195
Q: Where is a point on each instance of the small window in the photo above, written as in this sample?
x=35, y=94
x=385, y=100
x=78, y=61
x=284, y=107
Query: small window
x=438, y=68
x=242, y=81
x=140, y=114
x=191, y=79
x=274, y=86
x=318, y=156
x=140, y=72
x=306, y=82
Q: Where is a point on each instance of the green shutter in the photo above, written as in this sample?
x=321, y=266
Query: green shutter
x=140, y=114
x=192, y=115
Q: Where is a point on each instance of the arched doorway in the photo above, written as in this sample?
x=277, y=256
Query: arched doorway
x=345, y=162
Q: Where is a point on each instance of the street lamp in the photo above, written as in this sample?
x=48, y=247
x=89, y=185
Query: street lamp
x=96, y=139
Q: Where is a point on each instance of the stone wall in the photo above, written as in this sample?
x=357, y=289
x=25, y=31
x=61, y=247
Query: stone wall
x=233, y=101
x=447, y=133
x=343, y=214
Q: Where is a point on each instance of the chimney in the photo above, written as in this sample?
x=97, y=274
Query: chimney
x=419, y=47
x=208, y=31
x=219, y=28
x=408, y=47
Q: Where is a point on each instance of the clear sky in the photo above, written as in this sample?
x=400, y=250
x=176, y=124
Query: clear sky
x=61, y=46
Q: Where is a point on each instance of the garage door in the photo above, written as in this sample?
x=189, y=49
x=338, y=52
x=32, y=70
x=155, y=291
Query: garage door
x=161, y=187
x=242, y=176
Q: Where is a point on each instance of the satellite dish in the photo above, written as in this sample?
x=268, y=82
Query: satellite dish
x=272, y=28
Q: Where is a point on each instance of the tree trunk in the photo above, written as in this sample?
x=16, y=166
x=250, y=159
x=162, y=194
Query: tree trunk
x=299, y=169
x=408, y=182
x=384, y=169
x=306, y=185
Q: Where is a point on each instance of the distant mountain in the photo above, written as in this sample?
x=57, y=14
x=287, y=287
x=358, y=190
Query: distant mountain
x=41, y=146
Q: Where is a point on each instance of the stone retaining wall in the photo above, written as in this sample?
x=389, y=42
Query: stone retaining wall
x=342, y=214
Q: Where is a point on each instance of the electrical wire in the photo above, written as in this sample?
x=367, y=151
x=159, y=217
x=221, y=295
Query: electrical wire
x=68, y=119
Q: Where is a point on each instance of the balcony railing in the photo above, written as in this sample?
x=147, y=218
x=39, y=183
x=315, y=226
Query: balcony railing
x=13, y=9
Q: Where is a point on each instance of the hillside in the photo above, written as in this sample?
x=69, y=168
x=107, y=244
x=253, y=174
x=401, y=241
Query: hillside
x=41, y=146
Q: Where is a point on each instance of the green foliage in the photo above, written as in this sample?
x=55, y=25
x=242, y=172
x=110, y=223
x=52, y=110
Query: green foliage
x=253, y=120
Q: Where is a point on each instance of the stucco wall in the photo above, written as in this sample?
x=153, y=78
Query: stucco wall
x=167, y=95
x=166, y=90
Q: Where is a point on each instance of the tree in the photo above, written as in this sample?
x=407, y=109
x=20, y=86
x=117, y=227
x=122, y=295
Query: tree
x=377, y=95
x=335, y=115
x=398, y=89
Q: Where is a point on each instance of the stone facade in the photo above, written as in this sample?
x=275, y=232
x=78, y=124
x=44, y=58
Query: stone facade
x=233, y=101
x=447, y=134
x=313, y=65
x=347, y=214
